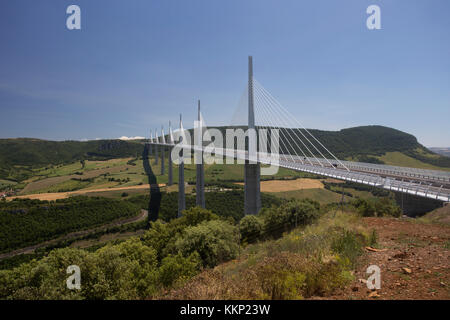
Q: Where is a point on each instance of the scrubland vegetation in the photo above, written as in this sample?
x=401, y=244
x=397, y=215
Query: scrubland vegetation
x=289, y=251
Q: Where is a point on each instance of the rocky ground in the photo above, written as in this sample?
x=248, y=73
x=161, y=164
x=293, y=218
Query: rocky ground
x=414, y=259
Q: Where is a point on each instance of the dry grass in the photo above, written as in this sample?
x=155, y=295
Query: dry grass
x=302, y=264
x=289, y=185
x=63, y=195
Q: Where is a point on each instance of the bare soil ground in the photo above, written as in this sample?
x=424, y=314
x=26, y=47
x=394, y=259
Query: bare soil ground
x=414, y=259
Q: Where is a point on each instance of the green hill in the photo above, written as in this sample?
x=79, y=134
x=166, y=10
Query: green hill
x=19, y=156
x=375, y=144
x=372, y=143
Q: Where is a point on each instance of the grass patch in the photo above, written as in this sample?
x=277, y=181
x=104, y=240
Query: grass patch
x=399, y=159
x=322, y=196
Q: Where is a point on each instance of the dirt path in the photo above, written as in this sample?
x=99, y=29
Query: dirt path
x=143, y=215
x=414, y=261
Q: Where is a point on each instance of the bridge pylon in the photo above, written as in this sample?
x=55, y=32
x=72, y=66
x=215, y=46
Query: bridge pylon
x=181, y=195
x=156, y=147
x=162, y=151
x=252, y=171
x=200, y=173
x=170, y=171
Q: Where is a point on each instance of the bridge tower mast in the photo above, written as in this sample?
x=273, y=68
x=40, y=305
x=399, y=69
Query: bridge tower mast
x=200, y=175
x=170, y=173
x=156, y=147
x=181, y=195
x=252, y=195
x=163, y=150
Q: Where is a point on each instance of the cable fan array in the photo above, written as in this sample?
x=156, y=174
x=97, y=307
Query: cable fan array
x=297, y=144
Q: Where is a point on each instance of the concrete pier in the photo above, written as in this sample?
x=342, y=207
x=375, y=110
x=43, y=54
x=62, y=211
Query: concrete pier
x=252, y=194
x=200, y=173
x=162, y=160
x=170, y=171
x=181, y=195
x=156, y=147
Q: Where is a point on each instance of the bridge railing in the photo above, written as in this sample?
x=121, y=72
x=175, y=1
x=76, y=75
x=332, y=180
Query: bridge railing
x=409, y=187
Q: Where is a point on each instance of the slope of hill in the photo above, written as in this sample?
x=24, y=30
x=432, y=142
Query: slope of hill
x=375, y=144
x=371, y=143
x=365, y=144
x=19, y=156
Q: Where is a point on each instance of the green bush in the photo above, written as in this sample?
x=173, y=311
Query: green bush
x=176, y=268
x=289, y=215
x=215, y=241
x=387, y=207
x=349, y=245
x=251, y=228
x=280, y=283
x=377, y=207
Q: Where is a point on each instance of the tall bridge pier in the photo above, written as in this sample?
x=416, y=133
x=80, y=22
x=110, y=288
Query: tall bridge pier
x=181, y=195
x=150, y=145
x=156, y=147
x=200, y=174
x=252, y=171
x=163, y=149
x=170, y=171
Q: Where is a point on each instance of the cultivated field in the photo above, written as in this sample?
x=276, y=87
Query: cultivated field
x=289, y=185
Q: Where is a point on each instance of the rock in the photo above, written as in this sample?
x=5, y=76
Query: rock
x=363, y=281
x=374, y=294
x=375, y=249
x=406, y=270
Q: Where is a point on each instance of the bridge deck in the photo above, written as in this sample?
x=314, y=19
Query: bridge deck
x=432, y=184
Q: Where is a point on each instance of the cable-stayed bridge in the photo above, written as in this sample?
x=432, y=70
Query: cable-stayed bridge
x=298, y=149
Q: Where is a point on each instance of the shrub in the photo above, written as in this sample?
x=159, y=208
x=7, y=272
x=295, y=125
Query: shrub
x=196, y=215
x=215, y=241
x=250, y=228
x=364, y=207
x=289, y=215
x=377, y=207
x=278, y=283
x=386, y=206
x=176, y=268
x=349, y=245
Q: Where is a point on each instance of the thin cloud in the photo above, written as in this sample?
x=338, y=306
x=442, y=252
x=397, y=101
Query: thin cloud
x=131, y=138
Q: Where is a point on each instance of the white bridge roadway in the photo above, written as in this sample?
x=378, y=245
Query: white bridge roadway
x=432, y=184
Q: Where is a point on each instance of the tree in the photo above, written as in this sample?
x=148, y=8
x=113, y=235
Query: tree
x=250, y=228
x=215, y=241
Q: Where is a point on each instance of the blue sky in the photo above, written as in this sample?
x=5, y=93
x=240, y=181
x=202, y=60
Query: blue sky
x=137, y=64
